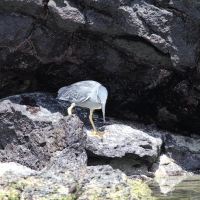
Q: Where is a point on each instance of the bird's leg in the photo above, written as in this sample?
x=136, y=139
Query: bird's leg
x=69, y=110
x=94, y=131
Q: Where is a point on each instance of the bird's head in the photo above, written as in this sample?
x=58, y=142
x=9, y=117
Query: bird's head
x=102, y=96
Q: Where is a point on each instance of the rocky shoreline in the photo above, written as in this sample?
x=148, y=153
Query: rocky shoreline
x=145, y=52
x=41, y=145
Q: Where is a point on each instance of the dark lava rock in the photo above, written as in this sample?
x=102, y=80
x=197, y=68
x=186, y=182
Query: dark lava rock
x=184, y=150
x=145, y=52
x=30, y=135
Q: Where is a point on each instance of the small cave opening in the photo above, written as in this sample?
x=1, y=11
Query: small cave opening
x=94, y=160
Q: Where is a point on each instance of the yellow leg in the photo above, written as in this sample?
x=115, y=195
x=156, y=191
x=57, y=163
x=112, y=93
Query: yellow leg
x=69, y=110
x=94, y=131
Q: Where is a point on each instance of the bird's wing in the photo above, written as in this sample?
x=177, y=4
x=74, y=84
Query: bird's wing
x=75, y=93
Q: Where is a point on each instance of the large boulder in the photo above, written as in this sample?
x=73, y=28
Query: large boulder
x=131, y=150
x=145, y=52
x=31, y=135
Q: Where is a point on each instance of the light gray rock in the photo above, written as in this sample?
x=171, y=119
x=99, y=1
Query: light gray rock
x=97, y=182
x=66, y=14
x=48, y=185
x=38, y=136
x=130, y=150
x=167, y=167
x=15, y=169
x=122, y=140
x=35, y=133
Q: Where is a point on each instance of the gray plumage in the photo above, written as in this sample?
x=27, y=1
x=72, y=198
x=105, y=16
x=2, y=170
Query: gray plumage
x=87, y=94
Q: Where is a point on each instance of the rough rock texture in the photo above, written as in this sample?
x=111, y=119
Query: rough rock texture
x=166, y=167
x=184, y=150
x=35, y=133
x=16, y=169
x=100, y=182
x=120, y=140
x=49, y=102
x=67, y=163
x=145, y=52
x=30, y=135
x=125, y=148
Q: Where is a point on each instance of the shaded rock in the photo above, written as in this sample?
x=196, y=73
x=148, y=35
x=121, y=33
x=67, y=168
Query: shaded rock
x=37, y=99
x=165, y=118
x=184, y=150
x=126, y=45
x=128, y=149
x=188, y=8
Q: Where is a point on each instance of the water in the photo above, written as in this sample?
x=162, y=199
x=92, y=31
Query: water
x=176, y=188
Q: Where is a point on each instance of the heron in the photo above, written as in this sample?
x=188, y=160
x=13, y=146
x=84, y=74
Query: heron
x=87, y=94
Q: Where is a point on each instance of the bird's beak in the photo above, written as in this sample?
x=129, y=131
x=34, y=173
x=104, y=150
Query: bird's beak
x=103, y=105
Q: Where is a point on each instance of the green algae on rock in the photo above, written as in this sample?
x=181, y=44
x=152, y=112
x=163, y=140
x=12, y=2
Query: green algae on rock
x=96, y=183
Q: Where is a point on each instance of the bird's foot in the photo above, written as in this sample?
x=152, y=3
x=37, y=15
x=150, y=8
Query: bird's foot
x=97, y=133
x=100, y=134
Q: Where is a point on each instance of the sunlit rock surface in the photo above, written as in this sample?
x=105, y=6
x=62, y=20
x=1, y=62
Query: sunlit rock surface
x=123, y=147
x=166, y=166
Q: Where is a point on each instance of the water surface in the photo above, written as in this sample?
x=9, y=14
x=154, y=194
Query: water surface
x=176, y=188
